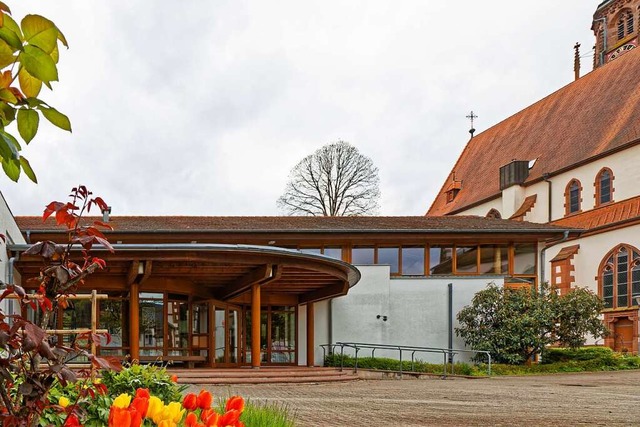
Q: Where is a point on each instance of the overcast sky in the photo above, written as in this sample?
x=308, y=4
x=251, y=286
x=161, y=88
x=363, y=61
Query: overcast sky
x=202, y=107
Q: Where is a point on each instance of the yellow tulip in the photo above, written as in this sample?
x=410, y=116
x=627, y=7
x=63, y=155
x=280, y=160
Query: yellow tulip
x=175, y=411
x=155, y=409
x=123, y=401
x=63, y=401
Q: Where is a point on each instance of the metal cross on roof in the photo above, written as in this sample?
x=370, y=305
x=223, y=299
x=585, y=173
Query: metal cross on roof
x=471, y=117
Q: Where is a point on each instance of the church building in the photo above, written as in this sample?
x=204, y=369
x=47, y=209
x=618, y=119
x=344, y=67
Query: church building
x=570, y=160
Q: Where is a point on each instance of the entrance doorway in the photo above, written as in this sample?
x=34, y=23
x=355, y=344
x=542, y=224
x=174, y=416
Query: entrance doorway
x=623, y=335
x=278, y=335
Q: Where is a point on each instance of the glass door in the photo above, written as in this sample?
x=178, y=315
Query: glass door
x=228, y=337
x=200, y=329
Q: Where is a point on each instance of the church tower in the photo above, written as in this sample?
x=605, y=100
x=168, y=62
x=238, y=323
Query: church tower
x=615, y=25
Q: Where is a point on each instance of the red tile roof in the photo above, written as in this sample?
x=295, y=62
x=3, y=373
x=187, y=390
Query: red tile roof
x=526, y=206
x=590, y=117
x=566, y=253
x=604, y=216
x=454, y=224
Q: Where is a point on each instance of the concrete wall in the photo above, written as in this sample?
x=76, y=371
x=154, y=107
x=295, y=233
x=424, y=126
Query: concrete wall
x=416, y=310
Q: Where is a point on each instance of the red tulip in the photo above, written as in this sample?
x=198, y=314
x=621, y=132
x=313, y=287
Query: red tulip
x=141, y=405
x=230, y=418
x=235, y=402
x=191, y=420
x=213, y=420
x=143, y=392
x=174, y=378
x=72, y=421
x=204, y=399
x=190, y=402
x=136, y=417
x=119, y=417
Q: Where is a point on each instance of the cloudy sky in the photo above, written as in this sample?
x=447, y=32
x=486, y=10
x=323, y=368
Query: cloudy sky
x=201, y=107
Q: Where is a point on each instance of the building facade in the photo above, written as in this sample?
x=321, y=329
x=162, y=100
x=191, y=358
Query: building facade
x=214, y=291
x=570, y=160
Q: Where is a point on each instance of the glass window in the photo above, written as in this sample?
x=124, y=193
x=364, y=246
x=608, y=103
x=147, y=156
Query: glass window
x=572, y=195
x=283, y=335
x=440, y=260
x=114, y=315
x=151, y=336
x=333, y=252
x=620, y=277
x=467, y=259
x=494, y=259
x=362, y=256
x=524, y=261
x=413, y=261
x=390, y=257
x=178, y=327
x=604, y=187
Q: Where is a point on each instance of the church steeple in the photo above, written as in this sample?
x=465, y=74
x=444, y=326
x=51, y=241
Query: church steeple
x=615, y=25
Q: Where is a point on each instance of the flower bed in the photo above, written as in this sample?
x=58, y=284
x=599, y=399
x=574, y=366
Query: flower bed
x=157, y=402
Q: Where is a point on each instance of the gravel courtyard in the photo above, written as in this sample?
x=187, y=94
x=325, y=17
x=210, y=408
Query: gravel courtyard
x=605, y=399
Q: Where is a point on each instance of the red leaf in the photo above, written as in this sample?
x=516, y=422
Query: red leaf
x=101, y=204
x=103, y=224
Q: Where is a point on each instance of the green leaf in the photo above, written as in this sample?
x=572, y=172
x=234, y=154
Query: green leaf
x=56, y=118
x=11, y=169
x=11, y=38
x=28, y=121
x=6, y=54
x=7, y=96
x=13, y=26
x=39, y=64
x=39, y=31
x=26, y=167
x=30, y=85
x=55, y=54
x=8, y=149
x=7, y=112
x=62, y=38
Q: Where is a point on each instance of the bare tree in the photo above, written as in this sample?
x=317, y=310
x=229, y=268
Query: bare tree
x=336, y=180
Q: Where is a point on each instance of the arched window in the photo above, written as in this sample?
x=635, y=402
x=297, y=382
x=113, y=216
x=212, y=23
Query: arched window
x=604, y=186
x=494, y=213
x=619, y=277
x=625, y=24
x=572, y=197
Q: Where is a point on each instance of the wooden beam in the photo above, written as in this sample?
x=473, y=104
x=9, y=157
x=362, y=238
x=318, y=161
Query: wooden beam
x=244, y=283
x=335, y=290
x=148, y=266
x=133, y=272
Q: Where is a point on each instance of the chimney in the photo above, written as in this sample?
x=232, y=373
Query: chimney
x=576, y=61
x=105, y=214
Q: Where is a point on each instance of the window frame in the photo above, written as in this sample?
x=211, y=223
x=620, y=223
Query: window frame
x=598, y=186
x=610, y=264
x=567, y=197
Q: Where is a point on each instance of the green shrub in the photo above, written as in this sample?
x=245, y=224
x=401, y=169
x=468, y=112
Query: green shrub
x=593, y=359
x=135, y=376
x=553, y=355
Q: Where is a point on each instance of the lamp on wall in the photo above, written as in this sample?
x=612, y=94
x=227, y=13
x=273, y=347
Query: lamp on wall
x=384, y=318
x=141, y=267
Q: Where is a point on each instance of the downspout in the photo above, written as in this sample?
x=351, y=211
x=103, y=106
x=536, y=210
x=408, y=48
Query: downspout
x=604, y=42
x=545, y=176
x=450, y=320
x=565, y=237
x=330, y=324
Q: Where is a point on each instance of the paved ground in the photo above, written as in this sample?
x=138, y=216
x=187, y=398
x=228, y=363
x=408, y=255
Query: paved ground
x=602, y=399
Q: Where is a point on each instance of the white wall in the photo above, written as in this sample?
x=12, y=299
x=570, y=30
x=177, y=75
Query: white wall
x=625, y=184
x=10, y=229
x=416, y=310
x=591, y=253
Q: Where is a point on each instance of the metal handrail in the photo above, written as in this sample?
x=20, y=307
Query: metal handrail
x=447, y=353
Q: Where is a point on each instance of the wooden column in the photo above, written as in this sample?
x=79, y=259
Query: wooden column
x=255, y=326
x=211, y=340
x=134, y=321
x=310, y=335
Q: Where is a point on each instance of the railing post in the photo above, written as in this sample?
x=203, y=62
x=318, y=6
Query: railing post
x=400, y=348
x=489, y=356
x=355, y=370
x=444, y=364
x=341, y=357
x=412, y=354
